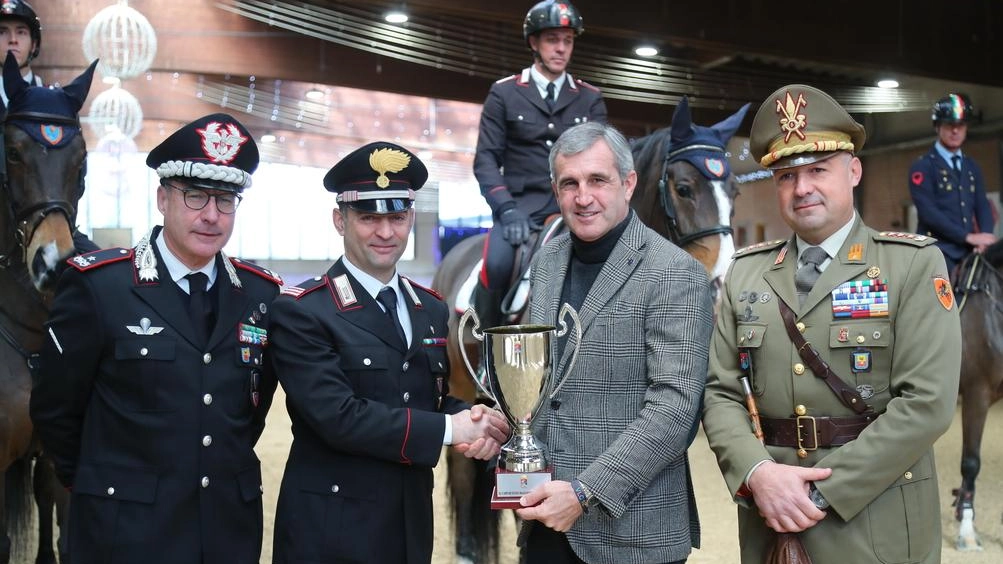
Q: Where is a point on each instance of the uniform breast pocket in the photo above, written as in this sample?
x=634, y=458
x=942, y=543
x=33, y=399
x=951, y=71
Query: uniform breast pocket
x=751, y=336
x=144, y=366
x=861, y=350
x=523, y=121
x=366, y=370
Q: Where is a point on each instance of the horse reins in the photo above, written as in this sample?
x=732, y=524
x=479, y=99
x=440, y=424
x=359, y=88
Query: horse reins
x=22, y=231
x=675, y=234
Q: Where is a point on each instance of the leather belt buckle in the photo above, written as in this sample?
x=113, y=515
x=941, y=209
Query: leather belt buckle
x=802, y=448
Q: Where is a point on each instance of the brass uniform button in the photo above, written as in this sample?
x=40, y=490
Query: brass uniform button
x=861, y=339
x=800, y=326
x=908, y=475
x=799, y=369
x=800, y=410
x=802, y=453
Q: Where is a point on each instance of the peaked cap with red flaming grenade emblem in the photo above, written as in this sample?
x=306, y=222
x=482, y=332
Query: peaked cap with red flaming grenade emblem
x=799, y=125
x=214, y=152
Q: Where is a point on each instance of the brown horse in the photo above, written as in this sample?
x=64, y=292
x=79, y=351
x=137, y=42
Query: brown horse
x=684, y=192
x=41, y=182
x=981, y=287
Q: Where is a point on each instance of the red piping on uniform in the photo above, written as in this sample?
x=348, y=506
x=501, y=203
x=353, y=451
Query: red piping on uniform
x=484, y=265
x=407, y=432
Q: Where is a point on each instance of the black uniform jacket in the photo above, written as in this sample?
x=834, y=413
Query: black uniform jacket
x=153, y=431
x=367, y=421
x=517, y=130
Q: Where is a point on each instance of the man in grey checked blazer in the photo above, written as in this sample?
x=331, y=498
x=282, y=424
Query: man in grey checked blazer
x=618, y=427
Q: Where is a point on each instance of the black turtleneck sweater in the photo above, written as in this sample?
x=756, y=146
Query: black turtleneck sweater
x=587, y=260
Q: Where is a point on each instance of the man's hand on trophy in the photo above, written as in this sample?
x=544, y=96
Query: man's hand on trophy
x=479, y=432
x=554, y=504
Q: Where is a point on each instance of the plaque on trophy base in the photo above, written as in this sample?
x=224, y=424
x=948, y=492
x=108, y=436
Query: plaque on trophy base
x=511, y=486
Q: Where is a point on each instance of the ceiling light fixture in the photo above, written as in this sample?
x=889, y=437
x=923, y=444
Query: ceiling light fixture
x=888, y=83
x=314, y=94
x=646, y=51
x=395, y=17
x=268, y=138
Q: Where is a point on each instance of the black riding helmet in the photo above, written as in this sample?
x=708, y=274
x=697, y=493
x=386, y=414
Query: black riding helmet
x=953, y=108
x=21, y=10
x=550, y=14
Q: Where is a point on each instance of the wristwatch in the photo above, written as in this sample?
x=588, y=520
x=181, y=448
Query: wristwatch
x=816, y=497
x=585, y=497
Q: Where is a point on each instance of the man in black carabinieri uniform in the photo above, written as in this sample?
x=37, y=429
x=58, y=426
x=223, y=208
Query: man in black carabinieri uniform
x=522, y=117
x=361, y=355
x=153, y=388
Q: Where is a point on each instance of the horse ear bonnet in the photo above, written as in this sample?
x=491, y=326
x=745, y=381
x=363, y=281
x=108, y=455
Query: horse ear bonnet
x=61, y=103
x=703, y=147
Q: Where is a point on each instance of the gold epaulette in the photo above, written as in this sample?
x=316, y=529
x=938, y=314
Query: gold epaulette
x=758, y=248
x=913, y=239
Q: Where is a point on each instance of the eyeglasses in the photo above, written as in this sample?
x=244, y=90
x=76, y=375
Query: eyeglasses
x=197, y=199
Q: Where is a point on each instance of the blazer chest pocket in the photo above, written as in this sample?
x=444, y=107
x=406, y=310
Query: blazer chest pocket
x=751, y=336
x=859, y=351
x=366, y=370
x=144, y=367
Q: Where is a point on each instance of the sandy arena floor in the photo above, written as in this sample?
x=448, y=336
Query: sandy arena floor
x=717, y=513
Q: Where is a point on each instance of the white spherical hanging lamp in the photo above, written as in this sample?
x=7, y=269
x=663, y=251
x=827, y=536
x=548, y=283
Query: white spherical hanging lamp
x=114, y=110
x=123, y=39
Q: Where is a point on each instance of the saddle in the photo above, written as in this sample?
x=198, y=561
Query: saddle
x=517, y=298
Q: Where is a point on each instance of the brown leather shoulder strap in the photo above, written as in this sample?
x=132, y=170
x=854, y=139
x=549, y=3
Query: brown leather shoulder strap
x=819, y=367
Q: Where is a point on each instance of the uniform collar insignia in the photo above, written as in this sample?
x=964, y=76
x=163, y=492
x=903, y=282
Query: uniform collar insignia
x=345, y=292
x=146, y=260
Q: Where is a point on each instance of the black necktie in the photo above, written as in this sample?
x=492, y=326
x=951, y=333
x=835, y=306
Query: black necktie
x=199, y=308
x=551, y=96
x=388, y=298
x=956, y=163
x=808, y=273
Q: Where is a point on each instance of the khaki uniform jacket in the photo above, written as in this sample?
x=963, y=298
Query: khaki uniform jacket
x=883, y=488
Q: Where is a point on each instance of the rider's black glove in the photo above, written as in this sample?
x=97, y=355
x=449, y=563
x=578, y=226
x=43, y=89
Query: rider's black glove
x=515, y=226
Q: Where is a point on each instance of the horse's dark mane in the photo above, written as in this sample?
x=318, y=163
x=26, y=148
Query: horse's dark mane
x=650, y=148
x=994, y=254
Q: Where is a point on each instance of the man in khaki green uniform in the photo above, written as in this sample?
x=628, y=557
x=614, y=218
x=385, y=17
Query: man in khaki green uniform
x=846, y=461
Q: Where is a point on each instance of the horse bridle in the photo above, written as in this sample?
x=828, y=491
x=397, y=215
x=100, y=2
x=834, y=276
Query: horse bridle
x=23, y=231
x=675, y=235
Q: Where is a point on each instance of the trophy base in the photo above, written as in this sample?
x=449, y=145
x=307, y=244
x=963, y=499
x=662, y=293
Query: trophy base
x=511, y=486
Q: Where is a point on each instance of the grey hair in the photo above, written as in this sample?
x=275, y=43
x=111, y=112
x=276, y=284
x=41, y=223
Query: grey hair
x=584, y=136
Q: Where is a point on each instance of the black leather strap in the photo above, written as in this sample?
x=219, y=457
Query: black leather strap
x=847, y=395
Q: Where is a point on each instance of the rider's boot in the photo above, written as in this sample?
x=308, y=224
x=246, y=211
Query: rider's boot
x=487, y=303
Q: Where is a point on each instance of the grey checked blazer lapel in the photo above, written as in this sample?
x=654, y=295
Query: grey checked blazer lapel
x=621, y=264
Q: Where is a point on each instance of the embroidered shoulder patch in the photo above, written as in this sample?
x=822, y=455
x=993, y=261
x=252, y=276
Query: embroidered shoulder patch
x=945, y=295
x=92, y=260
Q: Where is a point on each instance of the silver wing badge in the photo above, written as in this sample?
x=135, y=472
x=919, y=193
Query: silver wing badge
x=144, y=328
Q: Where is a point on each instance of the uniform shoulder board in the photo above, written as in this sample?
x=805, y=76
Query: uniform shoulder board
x=584, y=84
x=94, y=259
x=758, y=248
x=506, y=79
x=914, y=239
x=305, y=287
x=255, y=269
x=430, y=291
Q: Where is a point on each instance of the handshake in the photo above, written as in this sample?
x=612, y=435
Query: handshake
x=479, y=432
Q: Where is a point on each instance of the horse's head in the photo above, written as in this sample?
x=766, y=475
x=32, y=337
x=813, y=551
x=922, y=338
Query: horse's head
x=693, y=202
x=41, y=174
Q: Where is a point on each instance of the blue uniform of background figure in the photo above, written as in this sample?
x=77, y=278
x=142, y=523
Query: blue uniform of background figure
x=949, y=205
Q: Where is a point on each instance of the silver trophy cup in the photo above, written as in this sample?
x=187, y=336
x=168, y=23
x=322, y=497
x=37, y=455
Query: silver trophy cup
x=517, y=373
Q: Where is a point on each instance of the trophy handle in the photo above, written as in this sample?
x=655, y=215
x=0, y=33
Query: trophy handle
x=567, y=310
x=479, y=335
